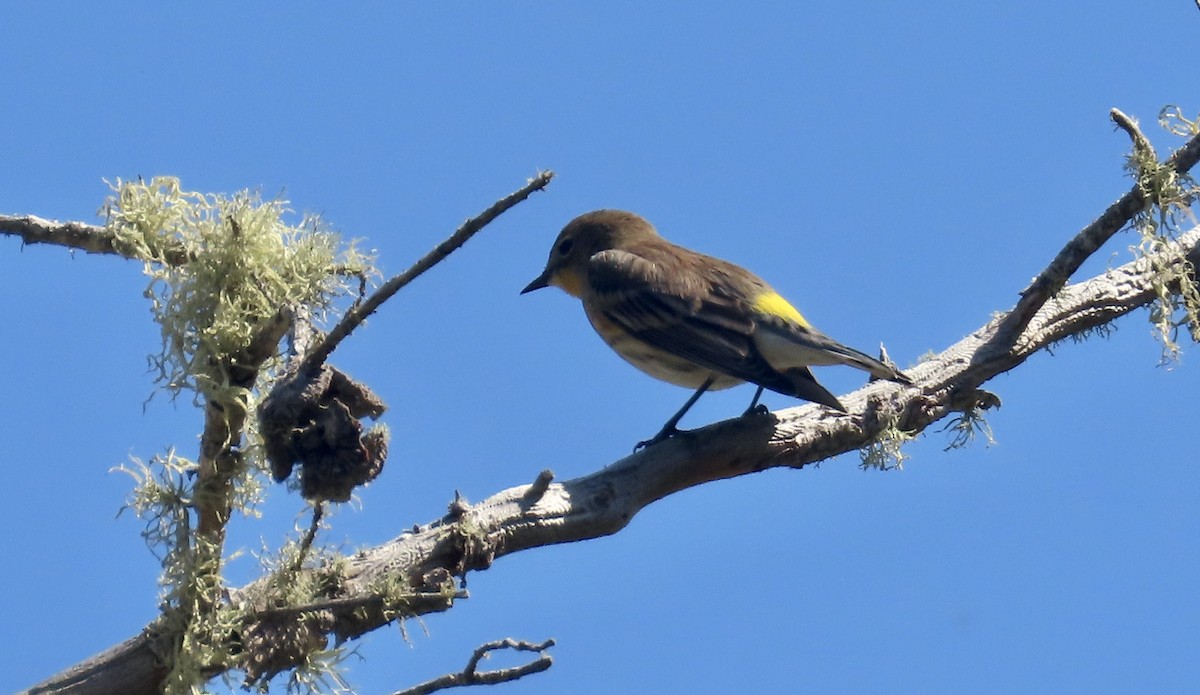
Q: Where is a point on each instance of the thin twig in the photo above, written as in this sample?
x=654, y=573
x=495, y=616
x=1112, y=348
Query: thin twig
x=309, y=536
x=360, y=312
x=470, y=676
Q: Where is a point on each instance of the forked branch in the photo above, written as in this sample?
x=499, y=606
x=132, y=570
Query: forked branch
x=1093, y=236
x=472, y=676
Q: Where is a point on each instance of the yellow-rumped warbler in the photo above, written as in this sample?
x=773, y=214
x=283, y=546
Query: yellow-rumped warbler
x=690, y=319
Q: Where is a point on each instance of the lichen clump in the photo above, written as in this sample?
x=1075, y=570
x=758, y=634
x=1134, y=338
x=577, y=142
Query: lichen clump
x=1167, y=197
x=220, y=268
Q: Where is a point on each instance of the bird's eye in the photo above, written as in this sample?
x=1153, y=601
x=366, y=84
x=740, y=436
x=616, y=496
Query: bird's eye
x=564, y=246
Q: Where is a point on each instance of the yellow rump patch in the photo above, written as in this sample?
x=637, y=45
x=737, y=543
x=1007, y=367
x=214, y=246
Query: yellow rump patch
x=773, y=304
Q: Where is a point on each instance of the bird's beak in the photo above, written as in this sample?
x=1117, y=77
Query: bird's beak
x=539, y=282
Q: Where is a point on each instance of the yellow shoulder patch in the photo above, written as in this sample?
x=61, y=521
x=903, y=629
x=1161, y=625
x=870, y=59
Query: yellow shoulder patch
x=772, y=304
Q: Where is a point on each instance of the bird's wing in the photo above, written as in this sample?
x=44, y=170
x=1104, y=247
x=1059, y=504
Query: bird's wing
x=678, y=313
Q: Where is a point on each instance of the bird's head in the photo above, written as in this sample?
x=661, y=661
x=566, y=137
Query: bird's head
x=584, y=237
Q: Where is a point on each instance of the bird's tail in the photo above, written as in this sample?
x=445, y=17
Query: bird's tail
x=804, y=385
x=853, y=358
x=789, y=347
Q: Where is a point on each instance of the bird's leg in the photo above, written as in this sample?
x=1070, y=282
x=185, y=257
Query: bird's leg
x=669, y=429
x=755, y=408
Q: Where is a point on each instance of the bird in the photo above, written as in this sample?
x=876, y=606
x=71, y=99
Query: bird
x=689, y=319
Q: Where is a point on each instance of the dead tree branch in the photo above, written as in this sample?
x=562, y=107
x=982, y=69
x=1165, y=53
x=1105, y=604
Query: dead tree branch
x=81, y=236
x=547, y=512
x=1093, y=236
x=604, y=502
x=471, y=676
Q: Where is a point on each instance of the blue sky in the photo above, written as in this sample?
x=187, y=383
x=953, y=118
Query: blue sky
x=899, y=170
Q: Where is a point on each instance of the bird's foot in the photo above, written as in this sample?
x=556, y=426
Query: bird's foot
x=663, y=435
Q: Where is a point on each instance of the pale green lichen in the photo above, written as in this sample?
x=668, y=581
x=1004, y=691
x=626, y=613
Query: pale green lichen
x=223, y=270
x=886, y=451
x=300, y=643
x=220, y=268
x=966, y=427
x=201, y=631
x=1167, y=197
x=319, y=672
x=162, y=497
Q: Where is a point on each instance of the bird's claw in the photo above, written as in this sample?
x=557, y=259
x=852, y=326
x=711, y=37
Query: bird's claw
x=663, y=435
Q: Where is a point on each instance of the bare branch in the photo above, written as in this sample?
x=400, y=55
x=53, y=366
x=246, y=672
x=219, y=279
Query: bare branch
x=470, y=676
x=1127, y=124
x=82, y=236
x=360, y=312
x=73, y=235
x=310, y=535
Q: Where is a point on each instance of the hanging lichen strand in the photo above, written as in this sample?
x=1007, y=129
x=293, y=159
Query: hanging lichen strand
x=227, y=275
